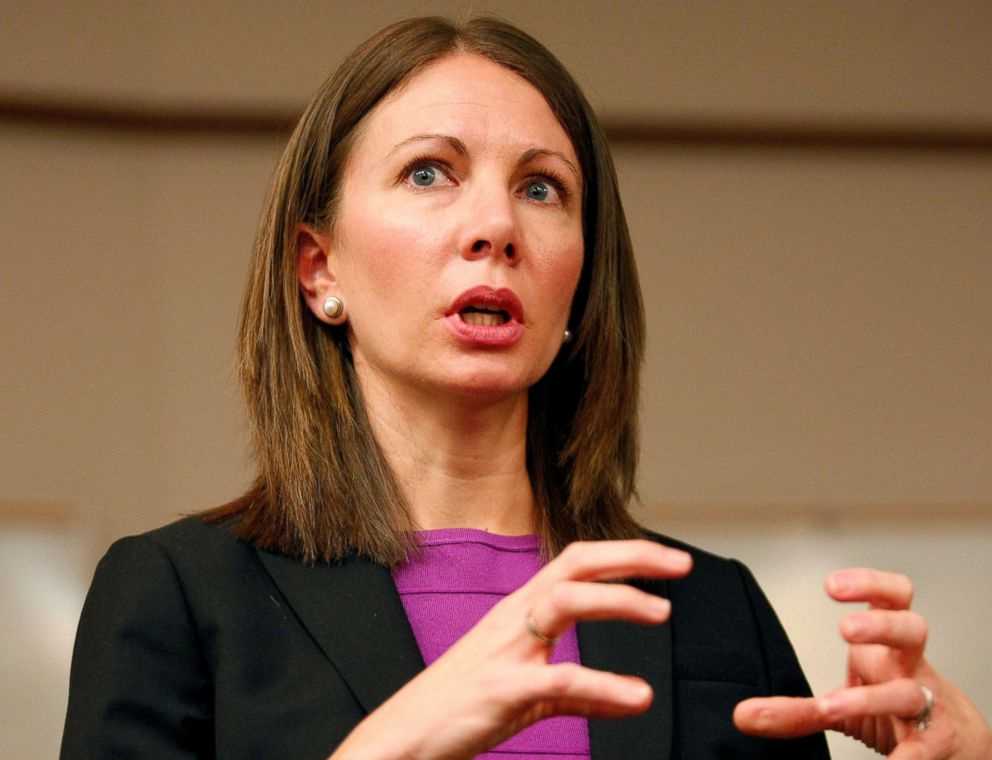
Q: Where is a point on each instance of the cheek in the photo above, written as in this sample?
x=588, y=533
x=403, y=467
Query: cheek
x=387, y=263
x=558, y=244
x=566, y=275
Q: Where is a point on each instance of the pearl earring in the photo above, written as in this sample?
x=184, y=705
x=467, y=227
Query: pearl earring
x=566, y=336
x=333, y=307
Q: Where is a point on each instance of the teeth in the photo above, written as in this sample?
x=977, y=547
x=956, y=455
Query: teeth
x=485, y=319
x=484, y=307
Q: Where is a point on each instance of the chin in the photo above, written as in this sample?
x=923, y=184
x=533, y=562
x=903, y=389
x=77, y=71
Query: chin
x=487, y=383
x=488, y=388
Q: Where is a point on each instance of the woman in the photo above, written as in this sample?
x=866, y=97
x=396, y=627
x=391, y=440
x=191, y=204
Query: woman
x=439, y=349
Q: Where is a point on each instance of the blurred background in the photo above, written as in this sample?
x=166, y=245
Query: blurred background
x=809, y=186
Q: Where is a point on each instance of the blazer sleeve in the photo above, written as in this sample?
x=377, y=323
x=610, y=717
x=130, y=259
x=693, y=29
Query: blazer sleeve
x=139, y=685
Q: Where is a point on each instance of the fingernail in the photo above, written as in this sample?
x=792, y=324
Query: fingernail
x=638, y=692
x=659, y=607
x=853, y=627
x=837, y=583
x=679, y=556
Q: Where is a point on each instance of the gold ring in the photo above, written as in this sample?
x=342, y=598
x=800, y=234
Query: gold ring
x=532, y=627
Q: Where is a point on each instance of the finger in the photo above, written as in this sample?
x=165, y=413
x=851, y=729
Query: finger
x=780, y=717
x=900, y=629
x=911, y=748
x=609, y=560
x=575, y=690
x=569, y=601
x=880, y=589
x=785, y=717
x=901, y=698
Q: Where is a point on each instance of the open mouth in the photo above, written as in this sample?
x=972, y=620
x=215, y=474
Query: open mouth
x=483, y=315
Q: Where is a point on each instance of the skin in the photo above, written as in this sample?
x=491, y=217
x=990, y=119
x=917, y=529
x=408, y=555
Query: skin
x=881, y=694
x=463, y=177
x=452, y=417
x=496, y=680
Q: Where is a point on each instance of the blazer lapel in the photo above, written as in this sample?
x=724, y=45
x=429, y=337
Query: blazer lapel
x=355, y=615
x=644, y=651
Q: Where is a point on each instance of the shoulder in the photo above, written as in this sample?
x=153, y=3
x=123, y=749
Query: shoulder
x=189, y=543
x=719, y=609
x=724, y=631
x=187, y=572
x=157, y=564
x=709, y=570
x=719, y=604
x=165, y=599
x=717, y=588
x=138, y=631
x=192, y=534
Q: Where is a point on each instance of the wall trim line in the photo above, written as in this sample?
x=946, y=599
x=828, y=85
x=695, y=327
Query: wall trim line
x=159, y=119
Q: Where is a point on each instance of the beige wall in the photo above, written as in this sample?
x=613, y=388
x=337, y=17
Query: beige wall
x=820, y=327
x=816, y=391
x=888, y=59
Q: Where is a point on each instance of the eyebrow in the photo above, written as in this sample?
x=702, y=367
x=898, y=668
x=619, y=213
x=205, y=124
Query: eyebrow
x=454, y=142
x=459, y=147
x=533, y=153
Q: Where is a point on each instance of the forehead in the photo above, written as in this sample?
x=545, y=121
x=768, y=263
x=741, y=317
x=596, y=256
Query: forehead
x=470, y=97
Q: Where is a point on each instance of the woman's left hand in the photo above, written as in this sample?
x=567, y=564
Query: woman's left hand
x=882, y=701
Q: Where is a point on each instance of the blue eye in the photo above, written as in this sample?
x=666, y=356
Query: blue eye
x=424, y=176
x=537, y=191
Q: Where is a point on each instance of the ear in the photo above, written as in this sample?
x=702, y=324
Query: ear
x=314, y=271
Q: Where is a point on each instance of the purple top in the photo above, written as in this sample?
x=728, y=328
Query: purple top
x=461, y=575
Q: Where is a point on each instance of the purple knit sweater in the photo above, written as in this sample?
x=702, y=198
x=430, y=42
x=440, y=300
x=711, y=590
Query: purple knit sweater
x=461, y=575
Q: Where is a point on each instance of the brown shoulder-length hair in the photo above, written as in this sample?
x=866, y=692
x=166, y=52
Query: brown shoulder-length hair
x=323, y=488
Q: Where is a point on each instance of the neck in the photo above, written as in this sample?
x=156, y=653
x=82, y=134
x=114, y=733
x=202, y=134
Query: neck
x=459, y=462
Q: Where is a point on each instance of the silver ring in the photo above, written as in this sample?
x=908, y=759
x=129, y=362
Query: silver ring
x=532, y=628
x=923, y=716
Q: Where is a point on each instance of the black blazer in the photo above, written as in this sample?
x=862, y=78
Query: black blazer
x=192, y=644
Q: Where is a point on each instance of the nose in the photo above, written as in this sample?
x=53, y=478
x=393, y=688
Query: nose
x=490, y=228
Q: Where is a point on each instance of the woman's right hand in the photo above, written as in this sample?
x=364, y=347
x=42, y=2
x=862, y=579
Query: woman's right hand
x=496, y=679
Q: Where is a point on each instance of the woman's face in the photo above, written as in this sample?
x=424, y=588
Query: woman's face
x=458, y=241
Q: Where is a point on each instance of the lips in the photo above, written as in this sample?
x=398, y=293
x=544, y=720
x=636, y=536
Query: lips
x=486, y=316
x=482, y=297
